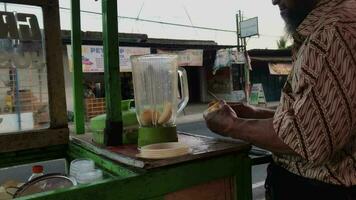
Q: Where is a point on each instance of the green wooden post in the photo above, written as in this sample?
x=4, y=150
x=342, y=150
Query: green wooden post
x=243, y=179
x=113, y=129
x=78, y=91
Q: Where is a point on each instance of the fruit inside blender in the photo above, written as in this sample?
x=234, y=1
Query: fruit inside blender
x=149, y=117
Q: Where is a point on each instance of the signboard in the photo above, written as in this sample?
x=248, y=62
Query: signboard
x=257, y=94
x=189, y=57
x=280, y=68
x=19, y=26
x=249, y=27
x=126, y=52
x=93, y=60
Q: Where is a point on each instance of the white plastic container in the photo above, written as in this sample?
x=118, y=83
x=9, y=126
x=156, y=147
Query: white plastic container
x=90, y=177
x=83, y=170
x=80, y=166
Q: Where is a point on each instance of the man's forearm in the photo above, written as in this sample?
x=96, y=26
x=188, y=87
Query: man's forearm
x=259, y=132
x=263, y=113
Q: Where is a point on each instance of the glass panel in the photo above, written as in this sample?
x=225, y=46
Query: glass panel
x=23, y=71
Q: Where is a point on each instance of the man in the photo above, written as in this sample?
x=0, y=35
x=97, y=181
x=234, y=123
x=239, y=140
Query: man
x=312, y=134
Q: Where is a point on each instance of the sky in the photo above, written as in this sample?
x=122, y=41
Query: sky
x=206, y=13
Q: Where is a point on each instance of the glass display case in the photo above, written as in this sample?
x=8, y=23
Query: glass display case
x=23, y=70
x=31, y=72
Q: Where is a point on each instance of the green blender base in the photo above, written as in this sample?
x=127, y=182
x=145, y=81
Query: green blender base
x=153, y=135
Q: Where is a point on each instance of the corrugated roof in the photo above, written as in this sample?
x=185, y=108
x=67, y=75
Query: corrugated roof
x=270, y=55
x=131, y=39
x=270, y=59
x=270, y=52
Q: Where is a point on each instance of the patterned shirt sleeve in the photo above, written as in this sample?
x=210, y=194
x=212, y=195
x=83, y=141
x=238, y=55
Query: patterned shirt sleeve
x=316, y=117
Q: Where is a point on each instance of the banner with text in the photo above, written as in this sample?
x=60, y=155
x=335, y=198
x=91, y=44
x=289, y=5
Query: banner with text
x=189, y=57
x=93, y=60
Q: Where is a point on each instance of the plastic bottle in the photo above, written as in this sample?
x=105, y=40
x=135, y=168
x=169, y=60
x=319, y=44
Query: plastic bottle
x=37, y=171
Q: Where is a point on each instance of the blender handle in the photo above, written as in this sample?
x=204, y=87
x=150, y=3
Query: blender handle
x=184, y=89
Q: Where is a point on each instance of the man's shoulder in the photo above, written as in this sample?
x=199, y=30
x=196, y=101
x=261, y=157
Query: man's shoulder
x=343, y=14
x=340, y=23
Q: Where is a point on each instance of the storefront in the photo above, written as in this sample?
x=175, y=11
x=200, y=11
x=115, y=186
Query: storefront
x=197, y=57
x=270, y=68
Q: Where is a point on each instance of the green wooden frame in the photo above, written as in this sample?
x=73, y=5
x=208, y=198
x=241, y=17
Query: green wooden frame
x=58, y=132
x=135, y=183
x=114, y=128
x=132, y=184
x=78, y=91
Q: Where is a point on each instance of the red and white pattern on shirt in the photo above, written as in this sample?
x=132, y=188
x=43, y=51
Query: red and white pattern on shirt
x=317, y=114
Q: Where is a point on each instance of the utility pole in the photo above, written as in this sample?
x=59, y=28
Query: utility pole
x=238, y=31
x=241, y=42
x=241, y=48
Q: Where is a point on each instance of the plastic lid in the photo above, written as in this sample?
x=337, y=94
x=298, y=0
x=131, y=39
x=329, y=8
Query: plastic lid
x=45, y=183
x=164, y=150
x=37, y=169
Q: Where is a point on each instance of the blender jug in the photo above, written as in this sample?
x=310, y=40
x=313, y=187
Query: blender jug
x=158, y=99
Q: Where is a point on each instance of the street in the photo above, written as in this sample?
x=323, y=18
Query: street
x=258, y=171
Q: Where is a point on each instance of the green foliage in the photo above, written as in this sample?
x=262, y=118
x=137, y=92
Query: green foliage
x=282, y=43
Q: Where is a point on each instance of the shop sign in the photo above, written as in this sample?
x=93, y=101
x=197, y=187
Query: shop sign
x=93, y=57
x=126, y=52
x=280, y=68
x=189, y=57
x=249, y=27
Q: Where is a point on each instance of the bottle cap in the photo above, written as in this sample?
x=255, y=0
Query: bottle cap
x=37, y=169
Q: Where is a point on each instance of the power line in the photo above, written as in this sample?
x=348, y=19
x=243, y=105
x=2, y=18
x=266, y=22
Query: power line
x=173, y=24
x=160, y=22
x=187, y=13
x=139, y=13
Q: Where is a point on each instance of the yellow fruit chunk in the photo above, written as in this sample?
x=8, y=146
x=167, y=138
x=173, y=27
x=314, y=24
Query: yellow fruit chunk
x=215, y=106
x=149, y=117
x=166, y=114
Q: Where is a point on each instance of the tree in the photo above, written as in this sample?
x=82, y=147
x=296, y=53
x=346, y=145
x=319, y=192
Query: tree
x=282, y=43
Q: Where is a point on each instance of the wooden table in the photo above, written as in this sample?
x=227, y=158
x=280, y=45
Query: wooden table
x=216, y=169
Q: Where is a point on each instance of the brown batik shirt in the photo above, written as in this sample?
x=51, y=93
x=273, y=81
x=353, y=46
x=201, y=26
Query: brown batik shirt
x=317, y=113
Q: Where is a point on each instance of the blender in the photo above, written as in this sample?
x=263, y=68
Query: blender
x=158, y=96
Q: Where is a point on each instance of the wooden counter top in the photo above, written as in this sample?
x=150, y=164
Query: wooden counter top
x=201, y=146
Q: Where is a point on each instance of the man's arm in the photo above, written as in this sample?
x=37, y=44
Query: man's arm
x=259, y=132
x=263, y=113
x=251, y=112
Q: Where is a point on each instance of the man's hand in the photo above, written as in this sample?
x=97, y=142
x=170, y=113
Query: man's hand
x=244, y=110
x=221, y=119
